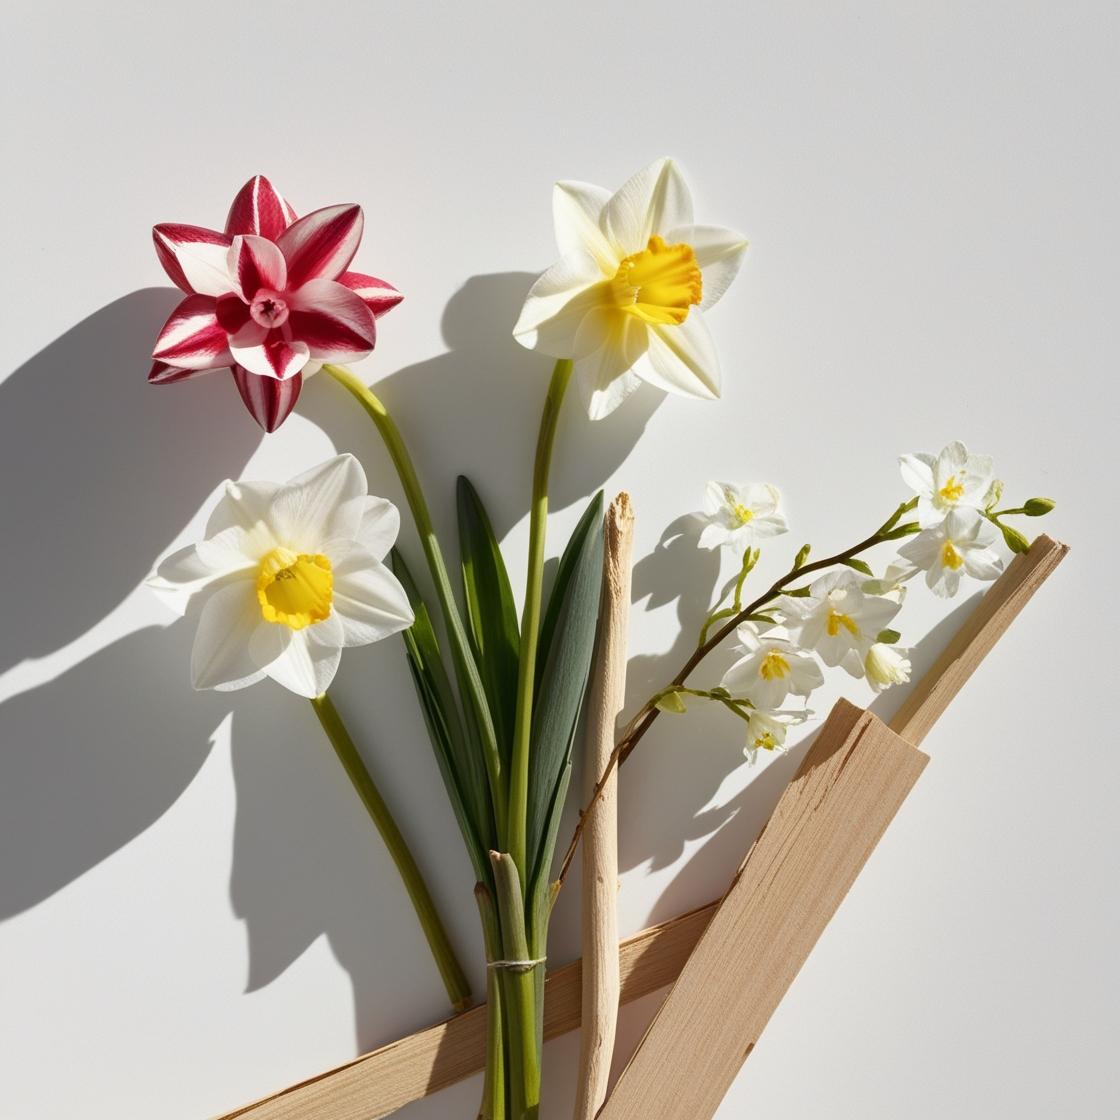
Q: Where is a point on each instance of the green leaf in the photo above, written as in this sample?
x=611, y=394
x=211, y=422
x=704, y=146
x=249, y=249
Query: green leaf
x=859, y=566
x=1037, y=507
x=801, y=557
x=671, y=702
x=888, y=637
x=461, y=765
x=797, y=592
x=491, y=614
x=567, y=656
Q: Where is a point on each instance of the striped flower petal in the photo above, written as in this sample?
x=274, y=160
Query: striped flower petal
x=267, y=353
x=269, y=401
x=255, y=263
x=163, y=374
x=377, y=295
x=194, y=258
x=322, y=244
x=259, y=208
x=333, y=321
x=193, y=338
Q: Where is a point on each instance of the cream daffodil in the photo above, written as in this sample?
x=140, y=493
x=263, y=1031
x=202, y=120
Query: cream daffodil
x=739, y=516
x=286, y=577
x=963, y=542
x=766, y=731
x=771, y=668
x=626, y=299
x=952, y=480
x=886, y=666
x=838, y=619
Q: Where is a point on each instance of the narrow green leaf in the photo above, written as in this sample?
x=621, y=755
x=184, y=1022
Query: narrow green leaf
x=859, y=566
x=460, y=761
x=567, y=659
x=491, y=613
x=802, y=556
x=671, y=702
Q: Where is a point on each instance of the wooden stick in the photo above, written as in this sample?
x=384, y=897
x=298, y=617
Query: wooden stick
x=384, y=1080
x=831, y=816
x=599, y=915
x=376, y=1084
x=974, y=640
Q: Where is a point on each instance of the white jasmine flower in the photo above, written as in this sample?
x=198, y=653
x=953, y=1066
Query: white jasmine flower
x=738, y=516
x=963, y=542
x=839, y=619
x=766, y=731
x=286, y=577
x=953, y=480
x=771, y=669
x=886, y=666
x=626, y=298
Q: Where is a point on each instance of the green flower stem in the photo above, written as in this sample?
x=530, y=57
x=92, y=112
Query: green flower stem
x=454, y=979
x=519, y=986
x=494, y=1084
x=465, y=667
x=517, y=820
x=641, y=723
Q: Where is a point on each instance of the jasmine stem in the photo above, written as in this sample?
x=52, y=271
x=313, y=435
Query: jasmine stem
x=516, y=839
x=454, y=979
x=465, y=667
x=889, y=530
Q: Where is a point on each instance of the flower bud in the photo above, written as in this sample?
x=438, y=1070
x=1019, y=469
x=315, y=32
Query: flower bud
x=1036, y=507
x=1015, y=540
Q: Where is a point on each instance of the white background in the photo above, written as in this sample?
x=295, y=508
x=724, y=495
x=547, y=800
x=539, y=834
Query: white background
x=195, y=910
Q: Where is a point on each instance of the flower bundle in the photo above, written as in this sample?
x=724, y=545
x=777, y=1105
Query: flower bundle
x=288, y=575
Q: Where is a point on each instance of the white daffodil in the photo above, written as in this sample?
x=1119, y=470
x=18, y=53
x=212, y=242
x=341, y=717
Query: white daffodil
x=766, y=731
x=963, y=542
x=953, y=480
x=886, y=666
x=738, y=516
x=287, y=576
x=772, y=667
x=838, y=619
x=625, y=300
x=898, y=573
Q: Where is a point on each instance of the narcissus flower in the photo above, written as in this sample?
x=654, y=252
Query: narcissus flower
x=886, y=666
x=626, y=299
x=838, y=620
x=772, y=667
x=766, y=731
x=271, y=298
x=963, y=543
x=739, y=516
x=952, y=480
x=286, y=577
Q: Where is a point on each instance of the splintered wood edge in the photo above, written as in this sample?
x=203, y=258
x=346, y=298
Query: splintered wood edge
x=386, y=1079
x=974, y=640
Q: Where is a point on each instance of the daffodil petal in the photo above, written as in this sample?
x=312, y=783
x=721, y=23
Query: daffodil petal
x=242, y=503
x=323, y=504
x=369, y=600
x=683, y=359
x=576, y=212
x=303, y=661
x=380, y=527
x=220, y=658
x=557, y=303
x=655, y=200
x=606, y=376
x=719, y=253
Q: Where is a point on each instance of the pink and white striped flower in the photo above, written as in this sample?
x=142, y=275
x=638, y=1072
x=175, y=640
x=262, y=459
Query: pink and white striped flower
x=271, y=298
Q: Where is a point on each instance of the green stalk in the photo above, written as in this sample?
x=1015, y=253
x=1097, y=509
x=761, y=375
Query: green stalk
x=516, y=840
x=466, y=669
x=494, y=1083
x=454, y=980
x=519, y=988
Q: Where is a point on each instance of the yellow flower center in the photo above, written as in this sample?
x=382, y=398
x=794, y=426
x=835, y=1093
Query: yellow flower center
x=836, y=620
x=765, y=741
x=660, y=283
x=952, y=491
x=774, y=666
x=741, y=513
x=294, y=588
x=950, y=557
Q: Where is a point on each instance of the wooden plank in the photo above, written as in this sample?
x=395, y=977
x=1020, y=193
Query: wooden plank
x=974, y=640
x=403, y=1071
x=826, y=824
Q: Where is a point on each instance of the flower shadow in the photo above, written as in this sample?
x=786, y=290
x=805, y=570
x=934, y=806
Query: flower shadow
x=101, y=471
